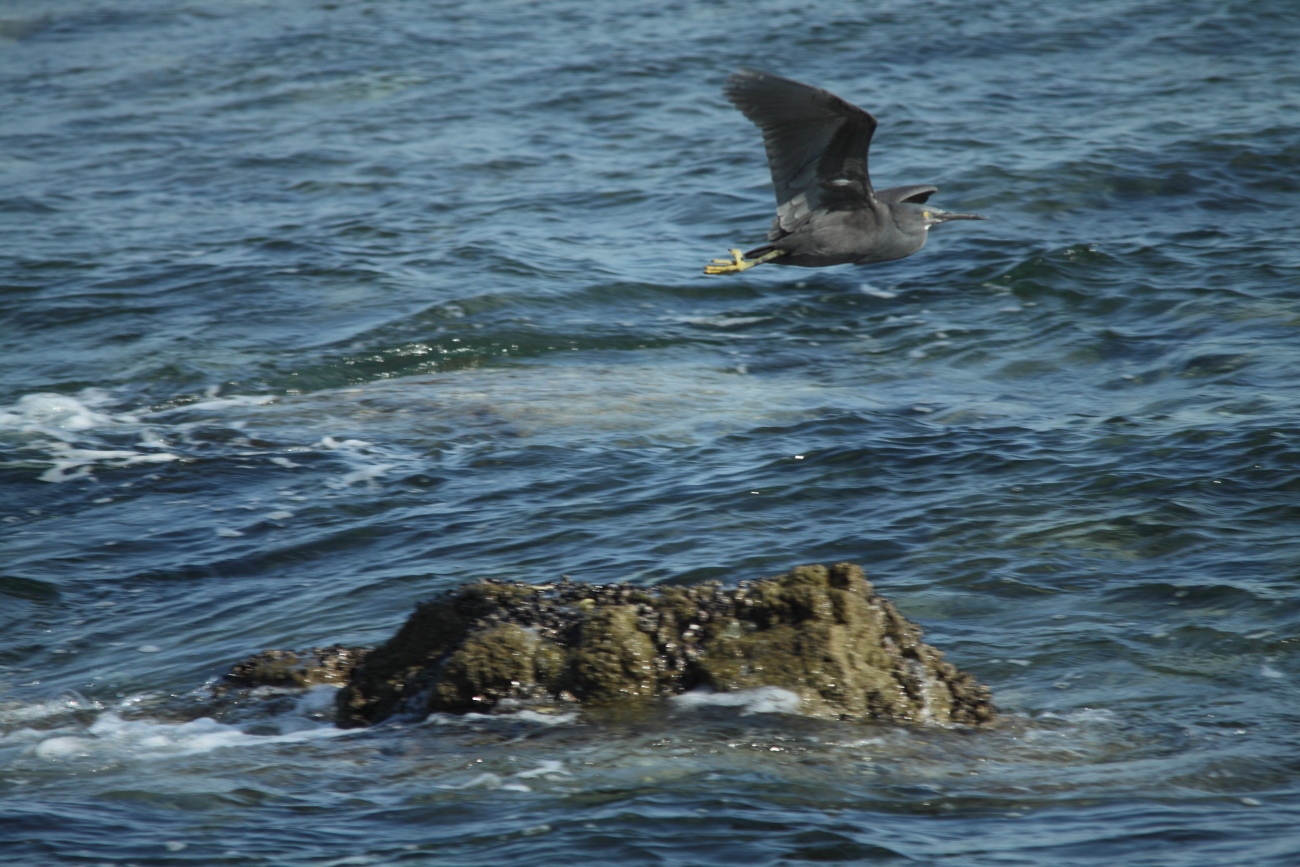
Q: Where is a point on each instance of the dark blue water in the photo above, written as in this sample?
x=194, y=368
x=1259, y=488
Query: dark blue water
x=310, y=310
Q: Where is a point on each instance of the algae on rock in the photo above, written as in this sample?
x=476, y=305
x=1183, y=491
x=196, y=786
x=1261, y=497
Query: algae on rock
x=820, y=632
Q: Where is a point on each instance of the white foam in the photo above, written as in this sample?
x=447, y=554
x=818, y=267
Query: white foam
x=365, y=474
x=59, y=414
x=72, y=463
x=358, y=453
x=549, y=768
x=868, y=289
x=461, y=719
x=764, y=699
x=484, y=781
x=68, y=433
x=331, y=443
x=489, y=780
x=219, y=404
x=112, y=736
x=1083, y=715
x=63, y=747
x=64, y=427
x=720, y=321
x=66, y=702
x=548, y=719
x=368, y=428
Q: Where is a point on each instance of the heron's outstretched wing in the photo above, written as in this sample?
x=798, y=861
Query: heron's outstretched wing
x=816, y=142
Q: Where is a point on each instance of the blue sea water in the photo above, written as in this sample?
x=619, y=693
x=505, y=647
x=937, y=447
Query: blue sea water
x=310, y=310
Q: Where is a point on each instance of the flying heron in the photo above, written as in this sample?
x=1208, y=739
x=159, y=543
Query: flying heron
x=827, y=212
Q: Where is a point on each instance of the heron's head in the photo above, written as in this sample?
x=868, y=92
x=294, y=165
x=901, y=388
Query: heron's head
x=914, y=219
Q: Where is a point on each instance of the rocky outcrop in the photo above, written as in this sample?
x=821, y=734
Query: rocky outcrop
x=822, y=633
x=291, y=669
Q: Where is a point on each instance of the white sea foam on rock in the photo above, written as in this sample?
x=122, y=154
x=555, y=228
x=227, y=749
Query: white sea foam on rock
x=763, y=699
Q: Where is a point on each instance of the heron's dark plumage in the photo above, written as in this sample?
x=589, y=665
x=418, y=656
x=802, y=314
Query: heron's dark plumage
x=827, y=211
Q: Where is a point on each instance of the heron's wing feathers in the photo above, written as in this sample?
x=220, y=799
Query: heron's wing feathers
x=916, y=194
x=816, y=142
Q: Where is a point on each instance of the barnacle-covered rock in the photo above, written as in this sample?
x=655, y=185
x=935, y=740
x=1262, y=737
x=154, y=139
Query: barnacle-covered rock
x=821, y=633
x=291, y=670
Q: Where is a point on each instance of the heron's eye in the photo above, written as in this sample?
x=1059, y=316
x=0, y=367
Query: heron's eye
x=925, y=214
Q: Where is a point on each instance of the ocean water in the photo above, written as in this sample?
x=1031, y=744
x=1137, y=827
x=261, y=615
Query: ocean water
x=310, y=310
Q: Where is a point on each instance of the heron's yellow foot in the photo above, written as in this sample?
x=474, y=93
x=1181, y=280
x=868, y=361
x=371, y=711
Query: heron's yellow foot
x=738, y=262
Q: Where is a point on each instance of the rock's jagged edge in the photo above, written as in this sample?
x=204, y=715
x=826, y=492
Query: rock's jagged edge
x=820, y=632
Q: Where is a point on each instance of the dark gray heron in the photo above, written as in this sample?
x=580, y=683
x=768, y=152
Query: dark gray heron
x=827, y=212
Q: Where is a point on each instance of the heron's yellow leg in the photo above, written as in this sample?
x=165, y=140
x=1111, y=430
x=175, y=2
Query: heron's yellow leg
x=738, y=262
